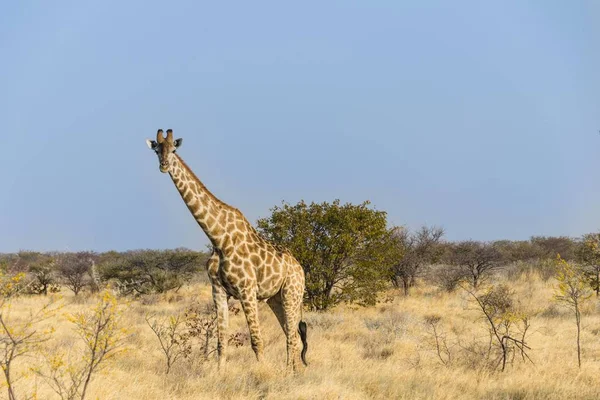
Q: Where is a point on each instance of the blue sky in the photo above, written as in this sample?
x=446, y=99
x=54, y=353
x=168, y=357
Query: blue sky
x=482, y=118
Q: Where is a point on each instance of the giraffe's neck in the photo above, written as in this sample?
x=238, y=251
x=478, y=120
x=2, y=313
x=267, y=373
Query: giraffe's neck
x=211, y=213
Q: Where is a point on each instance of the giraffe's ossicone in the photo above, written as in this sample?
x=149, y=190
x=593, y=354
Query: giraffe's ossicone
x=243, y=265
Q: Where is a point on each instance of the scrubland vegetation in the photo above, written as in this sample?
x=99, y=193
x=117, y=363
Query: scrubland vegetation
x=390, y=313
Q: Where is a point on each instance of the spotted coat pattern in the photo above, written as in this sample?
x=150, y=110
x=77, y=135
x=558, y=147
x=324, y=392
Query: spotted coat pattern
x=243, y=265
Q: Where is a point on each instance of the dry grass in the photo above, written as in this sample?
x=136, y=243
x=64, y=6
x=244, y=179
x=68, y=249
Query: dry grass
x=383, y=352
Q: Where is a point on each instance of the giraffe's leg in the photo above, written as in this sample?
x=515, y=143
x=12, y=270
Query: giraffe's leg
x=291, y=300
x=277, y=307
x=250, y=307
x=220, y=299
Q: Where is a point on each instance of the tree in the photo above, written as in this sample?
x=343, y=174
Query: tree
x=43, y=273
x=572, y=291
x=550, y=246
x=21, y=262
x=519, y=250
x=345, y=250
x=474, y=259
x=74, y=268
x=147, y=271
x=419, y=248
x=588, y=255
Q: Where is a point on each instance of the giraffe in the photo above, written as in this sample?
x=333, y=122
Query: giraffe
x=243, y=265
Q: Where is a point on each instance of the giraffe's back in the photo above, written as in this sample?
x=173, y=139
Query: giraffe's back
x=258, y=265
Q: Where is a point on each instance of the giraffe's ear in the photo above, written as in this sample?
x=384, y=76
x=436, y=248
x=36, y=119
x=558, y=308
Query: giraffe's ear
x=178, y=142
x=151, y=144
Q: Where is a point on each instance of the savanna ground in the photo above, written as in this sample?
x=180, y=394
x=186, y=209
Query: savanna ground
x=381, y=352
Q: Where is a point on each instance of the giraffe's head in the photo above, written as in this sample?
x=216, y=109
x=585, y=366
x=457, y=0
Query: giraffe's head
x=165, y=148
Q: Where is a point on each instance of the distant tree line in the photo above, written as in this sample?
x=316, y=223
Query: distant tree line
x=130, y=272
x=348, y=251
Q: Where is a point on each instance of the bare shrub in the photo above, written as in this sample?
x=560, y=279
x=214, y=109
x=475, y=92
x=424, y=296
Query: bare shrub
x=437, y=339
x=385, y=330
x=149, y=299
x=392, y=323
x=546, y=269
x=201, y=324
x=550, y=312
x=572, y=291
x=19, y=338
x=507, y=325
x=379, y=346
x=324, y=321
x=446, y=277
x=171, y=335
x=102, y=337
x=516, y=269
x=475, y=355
x=191, y=335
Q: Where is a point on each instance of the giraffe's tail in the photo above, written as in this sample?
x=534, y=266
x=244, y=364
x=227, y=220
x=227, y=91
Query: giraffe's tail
x=302, y=332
